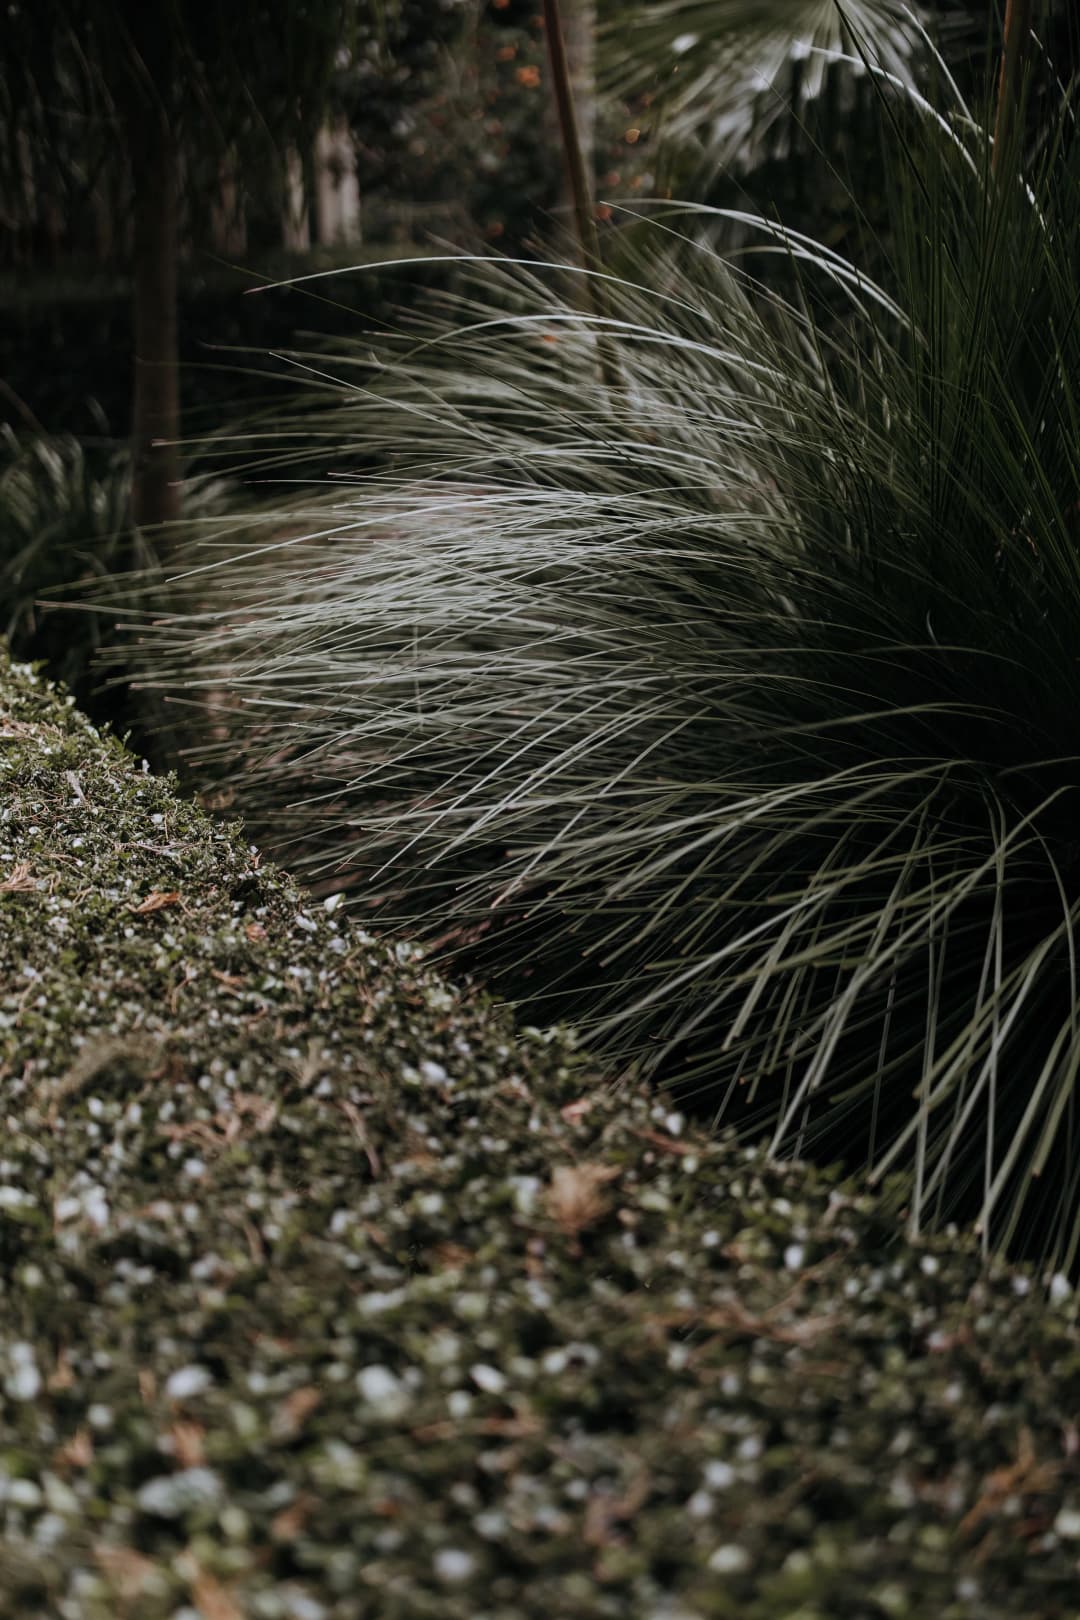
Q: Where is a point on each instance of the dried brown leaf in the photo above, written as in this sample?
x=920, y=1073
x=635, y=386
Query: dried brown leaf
x=575, y=1199
x=452, y=1256
x=295, y=1410
x=289, y=1523
x=129, y=1572
x=18, y=880
x=668, y=1144
x=155, y=900
x=212, y=1600
x=188, y=1448
x=62, y=1375
x=1024, y=1477
x=78, y=1452
x=231, y=981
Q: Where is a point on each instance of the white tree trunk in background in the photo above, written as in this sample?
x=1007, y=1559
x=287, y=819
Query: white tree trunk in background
x=295, y=223
x=228, y=224
x=337, y=190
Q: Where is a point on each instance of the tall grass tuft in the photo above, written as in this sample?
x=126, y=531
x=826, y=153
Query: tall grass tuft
x=732, y=710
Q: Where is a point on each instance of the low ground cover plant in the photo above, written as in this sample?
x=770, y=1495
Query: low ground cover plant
x=330, y=1295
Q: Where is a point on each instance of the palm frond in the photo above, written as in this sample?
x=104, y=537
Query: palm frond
x=731, y=78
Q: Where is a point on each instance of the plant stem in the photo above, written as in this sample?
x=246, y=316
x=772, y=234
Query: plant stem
x=1018, y=18
x=148, y=74
x=573, y=153
x=155, y=491
x=578, y=175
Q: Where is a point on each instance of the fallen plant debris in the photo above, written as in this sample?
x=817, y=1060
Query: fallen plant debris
x=328, y=1295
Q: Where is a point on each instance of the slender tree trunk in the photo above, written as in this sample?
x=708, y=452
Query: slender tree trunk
x=574, y=153
x=155, y=426
x=579, y=26
x=228, y=215
x=155, y=415
x=579, y=178
x=577, y=21
x=337, y=191
x=1018, y=19
x=295, y=226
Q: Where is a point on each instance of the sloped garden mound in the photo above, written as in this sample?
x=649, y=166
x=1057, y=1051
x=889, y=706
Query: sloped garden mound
x=329, y=1295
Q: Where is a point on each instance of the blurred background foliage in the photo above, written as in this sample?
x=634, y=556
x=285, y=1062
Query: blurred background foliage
x=434, y=127
x=343, y=132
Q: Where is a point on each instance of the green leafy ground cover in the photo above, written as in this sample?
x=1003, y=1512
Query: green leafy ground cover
x=328, y=1295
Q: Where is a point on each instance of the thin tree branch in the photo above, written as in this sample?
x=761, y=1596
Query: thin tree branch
x=580, y=183
x=1018, y=19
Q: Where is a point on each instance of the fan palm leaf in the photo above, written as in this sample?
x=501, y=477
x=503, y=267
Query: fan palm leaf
x=730, y=78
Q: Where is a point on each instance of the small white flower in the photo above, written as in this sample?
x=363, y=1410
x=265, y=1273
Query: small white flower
x=454, y=1564
x=23, y=1382
x=170, y=1496
x=1067, y=1524
x=729, y=1560
x=1060, y=1288
x=187, y=1382
x=383, y=1390
x=527, y=1190
x=489, y=1379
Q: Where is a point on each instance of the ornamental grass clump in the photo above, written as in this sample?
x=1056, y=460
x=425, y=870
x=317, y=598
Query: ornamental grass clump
x=728, y=709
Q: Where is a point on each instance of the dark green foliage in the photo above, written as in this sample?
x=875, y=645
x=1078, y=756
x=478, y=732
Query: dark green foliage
x=737, y=83
x=67, y=348
x=64, y=530
x=236, y=73
x=63, y=518
x=398, y=93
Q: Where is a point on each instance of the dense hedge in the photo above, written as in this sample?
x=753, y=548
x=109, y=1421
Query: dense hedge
x=327, y=1295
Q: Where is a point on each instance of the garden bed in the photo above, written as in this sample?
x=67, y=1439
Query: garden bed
x=327, y=1294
